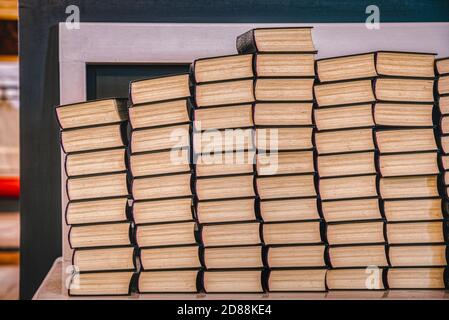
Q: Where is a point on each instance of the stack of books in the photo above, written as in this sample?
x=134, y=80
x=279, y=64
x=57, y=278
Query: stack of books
x=263, y=171
x=396, y=89
x=224, y=158
x=93, y=136
x=347, y=170
x=284, y=70
x=408, y=166
x=442, y=95
x=160, y=165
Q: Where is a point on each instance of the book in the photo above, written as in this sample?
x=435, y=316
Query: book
x=165, y=210
x=91, y=113
x=160, y=187
x=292, y=233
x=413, y=209
x=284, y=65
x=93, y=138
x=297, y=39
x=170, y=258
x=96, y=211
x=296, y=256
x=344, y=93
x=159, y=89
x=105, y=259
x=402, y=89
x=101, y=235
x=101, y=284
x=443, y=85
x=225, y=187
x=95, y=162
x=403, y=114
x=406, y=164
x=238, y=116
x=284, y=89
x=99, y=186
x=409, y=187
x=166, y=234
x=357, y=116
x=283, y=113
x=216, y=141
x=418, y=255
x=443, y=104
x=442, y=66
x=416, y=232
x=284, y=138
x=358, y=256
x=416, y=278
x=350, y=140
x=242, y=281
x=234, y=257
x=223, y=68
x=355, y=279
x=308, y=280
x=224, y=93
x=346, y=164
x=406, y=140
x=231, y=234
x=163, y=162
x=348, y=187
x=371, y=232
x=228, y=163
x=229, y=210
x=159, y=139
x=351, y=210
x=276, y=210
x=168, y=281
x=157, y=114
x=288, y=186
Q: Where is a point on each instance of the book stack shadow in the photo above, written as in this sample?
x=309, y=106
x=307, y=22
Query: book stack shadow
x=160, y=164
x=93, y=136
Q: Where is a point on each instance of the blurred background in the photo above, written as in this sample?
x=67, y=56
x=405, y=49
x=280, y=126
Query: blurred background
x=9, y=151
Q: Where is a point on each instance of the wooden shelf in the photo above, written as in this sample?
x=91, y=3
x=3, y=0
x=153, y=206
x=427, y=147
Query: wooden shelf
x=53, y=288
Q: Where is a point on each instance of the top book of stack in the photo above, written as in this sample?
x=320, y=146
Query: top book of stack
x=266, y=40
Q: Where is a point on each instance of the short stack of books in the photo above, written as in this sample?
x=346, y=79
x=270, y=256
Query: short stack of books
x=347, y=171
x=93, y=136
x=160, y=165
x=408, y=166
x=287, y=200
x=224, y=158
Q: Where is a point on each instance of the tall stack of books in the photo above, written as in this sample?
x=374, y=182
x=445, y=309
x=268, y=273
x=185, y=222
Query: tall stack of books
x=347, y=170
x=287, y=199
x=160, y=164
x=408, y=166
x=224, y=157
x=93, y=136
x=442, y=95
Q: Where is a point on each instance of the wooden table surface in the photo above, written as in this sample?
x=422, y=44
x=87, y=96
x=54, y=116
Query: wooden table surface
x=53, y=288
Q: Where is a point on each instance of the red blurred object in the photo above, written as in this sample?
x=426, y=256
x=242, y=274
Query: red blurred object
x=10, y=187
